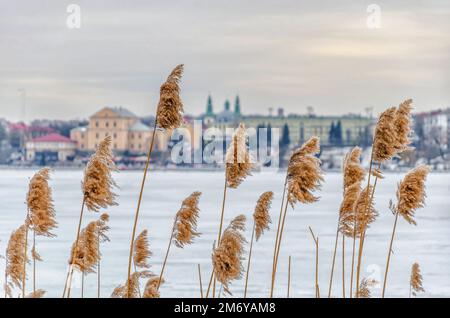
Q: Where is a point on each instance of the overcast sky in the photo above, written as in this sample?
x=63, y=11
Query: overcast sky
x=273, y=53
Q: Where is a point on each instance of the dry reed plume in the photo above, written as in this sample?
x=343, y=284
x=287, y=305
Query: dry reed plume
x=385, y=142
x=131, y=289
x=40, y=204
x=38, y=293
x=261, y=215
x=98, y=183
x=410, y=196
x=238, y=160
x=227, y=257
x=185, y=229
x=364, y=288
x=169, y=114
x=411, y=193
x=304, y=175
x=15, y=260
x=141, y=250
x=415, y=281
x=151, y=288
x=41, y=212
x=261, y=220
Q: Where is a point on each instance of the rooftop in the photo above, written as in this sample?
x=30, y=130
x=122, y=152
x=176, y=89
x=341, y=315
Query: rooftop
x=140, y=126
x=53, y=138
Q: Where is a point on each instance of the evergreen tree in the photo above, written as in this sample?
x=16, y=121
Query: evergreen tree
x=331, y=136
x=285, y=140
x=338, y=133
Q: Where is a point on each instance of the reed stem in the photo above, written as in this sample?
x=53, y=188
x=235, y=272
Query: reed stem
x=200, y=281
x=277, y=253
x=334, y=260
x=316, y=242
x=167, y=254
x=343, y=265
x=276, y=238
x=353, y=255
x=389, y=255
x=82, y=284
x=98, y=264
x=34, y=261
x=136, y=216
x=249, y=260
x=289, y=278
x=24, y=274
x=69, y=283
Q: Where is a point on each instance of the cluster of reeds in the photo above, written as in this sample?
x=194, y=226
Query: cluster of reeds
x=303, y=179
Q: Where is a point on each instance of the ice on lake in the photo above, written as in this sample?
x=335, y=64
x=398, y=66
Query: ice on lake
x=428, y=243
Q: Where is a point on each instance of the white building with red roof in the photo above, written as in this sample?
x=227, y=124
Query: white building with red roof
x=50, y=148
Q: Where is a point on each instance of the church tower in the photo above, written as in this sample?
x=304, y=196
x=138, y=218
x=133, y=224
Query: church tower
x=209, y=107
x=237, y=106
x=227, y=105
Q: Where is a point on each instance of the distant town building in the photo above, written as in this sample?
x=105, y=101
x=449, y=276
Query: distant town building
x=128, y=133
x=50, y=148
x=436, y=127
x=347, y=130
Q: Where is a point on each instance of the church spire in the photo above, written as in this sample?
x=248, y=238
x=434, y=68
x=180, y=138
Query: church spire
x=209, y=106
x=237, y=106
x=227, y=105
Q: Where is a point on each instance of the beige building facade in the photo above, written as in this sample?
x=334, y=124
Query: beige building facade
x=128, y=133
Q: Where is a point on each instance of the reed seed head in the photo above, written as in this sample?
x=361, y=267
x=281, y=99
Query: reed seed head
x=364, y=287
x=365, y=210
x=141, y=250
x=261, y=215
x=385, y=140
x=15, y=256
x=186, y=221
x=151, y=288
x=132, y=285
x=238, y=160
x=411, y=193
x=227, y=257
x=416, y=280
x=304, y=174
x=39, y=293
x=169, y=114
x=402, y=125
x=98, y=183
x=40, y=204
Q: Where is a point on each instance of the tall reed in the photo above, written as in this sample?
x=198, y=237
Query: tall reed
x=261, y=221
x=303, y=177
x=169, y=115
x=97, y=187
x=238, y=166
x=184, y=228
x=392, y=136
x=410, y=197
x=41, y=212
x=353, y=175
x=227, y=257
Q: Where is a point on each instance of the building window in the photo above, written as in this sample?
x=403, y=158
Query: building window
x=114, y=135
x=82, y=146
x=132, y=146
x=132, y=136
x=140, y=136
x=140, y=146
x=115, y=146
x=107, y=124
x=96, y=124
x=96, y=136
x=82, y=135
x=115, y=124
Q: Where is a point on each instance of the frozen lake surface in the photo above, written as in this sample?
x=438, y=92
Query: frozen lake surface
x=428, y=243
